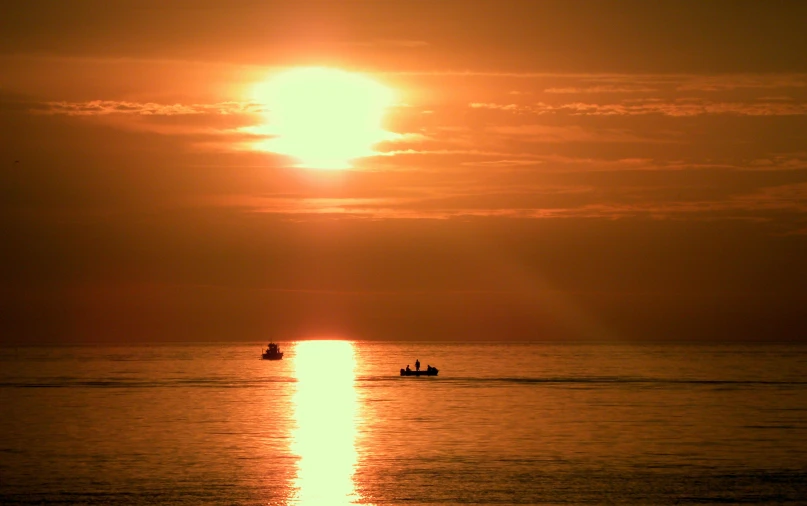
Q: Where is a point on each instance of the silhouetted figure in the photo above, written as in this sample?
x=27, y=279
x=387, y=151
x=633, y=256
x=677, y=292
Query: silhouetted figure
x=417, y=364
x=407, y=368
x=428, y=368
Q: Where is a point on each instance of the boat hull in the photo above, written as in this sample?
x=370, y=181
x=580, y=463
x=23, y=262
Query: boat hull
x=404, y=372
x=276, y=356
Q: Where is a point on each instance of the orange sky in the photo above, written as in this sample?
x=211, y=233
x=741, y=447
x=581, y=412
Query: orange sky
x=554, y=170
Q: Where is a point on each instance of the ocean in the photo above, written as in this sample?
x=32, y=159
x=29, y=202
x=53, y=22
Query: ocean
x=334, y=423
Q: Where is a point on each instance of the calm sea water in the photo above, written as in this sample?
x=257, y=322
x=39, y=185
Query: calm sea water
x=334, y=423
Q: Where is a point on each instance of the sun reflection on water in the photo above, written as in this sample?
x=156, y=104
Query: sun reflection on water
x=325, y=407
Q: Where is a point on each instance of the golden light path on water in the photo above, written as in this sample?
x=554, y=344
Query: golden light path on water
x=325, y=409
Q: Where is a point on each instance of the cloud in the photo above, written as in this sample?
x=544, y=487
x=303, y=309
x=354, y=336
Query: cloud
x=602, y=89
x=783, y=197
x=742, y=81
x=680, y=108
x=502, y=163
x=390, y=43
x=109, y=107
x=749, y=209
x=532, y=195
x=776, y=162
x=555, y=134
x=221, y=126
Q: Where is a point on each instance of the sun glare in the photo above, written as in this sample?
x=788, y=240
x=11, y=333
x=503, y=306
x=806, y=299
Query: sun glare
x=324, y=117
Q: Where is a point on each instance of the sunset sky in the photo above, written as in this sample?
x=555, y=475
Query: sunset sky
x=442, y=169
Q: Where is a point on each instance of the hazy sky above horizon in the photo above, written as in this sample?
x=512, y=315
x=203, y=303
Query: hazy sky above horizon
x=548, y=170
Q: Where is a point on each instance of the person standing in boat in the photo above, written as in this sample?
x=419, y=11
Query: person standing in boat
x=417, y=364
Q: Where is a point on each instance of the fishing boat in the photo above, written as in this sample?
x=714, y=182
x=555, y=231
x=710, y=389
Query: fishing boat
x=272, y=352
x=430, y=371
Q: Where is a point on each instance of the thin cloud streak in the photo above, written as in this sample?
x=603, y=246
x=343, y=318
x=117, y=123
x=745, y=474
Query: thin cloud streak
x=576, y=202
x=107, y=107
x=680, y=108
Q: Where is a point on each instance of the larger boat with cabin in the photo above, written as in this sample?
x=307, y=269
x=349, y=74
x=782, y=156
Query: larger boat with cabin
x=272, y=352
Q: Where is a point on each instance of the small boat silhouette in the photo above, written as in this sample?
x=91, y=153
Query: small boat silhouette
x=430, y=371
x=272, y=352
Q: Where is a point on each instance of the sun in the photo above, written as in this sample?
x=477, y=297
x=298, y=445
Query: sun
x=324, y=117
